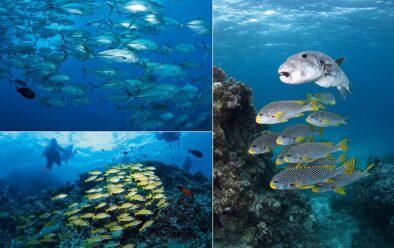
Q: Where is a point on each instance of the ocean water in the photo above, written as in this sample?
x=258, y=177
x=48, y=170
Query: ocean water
x=32, y=216
x=253, y=38
x=23, y=151
x=98, y=114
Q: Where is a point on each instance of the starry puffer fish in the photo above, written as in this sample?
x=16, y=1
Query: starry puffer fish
x=322, y=98
x=338, y=183
x=312, y=66
x=307, y=152
x=282, y=111
x=306, y=177
x=325, y=119
x=263, y=144
x=297, y=134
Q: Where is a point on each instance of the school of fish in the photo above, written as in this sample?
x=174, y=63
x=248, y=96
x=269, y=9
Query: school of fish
x=118, y=52
x=120, y=200
x=308, y=164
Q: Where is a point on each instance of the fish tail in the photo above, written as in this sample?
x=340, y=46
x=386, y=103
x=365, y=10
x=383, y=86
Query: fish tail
x=342, y=158
x=314, y=105
x=344, y=120
x=110, y=6
x=342, y=146
x=309, y=96
x=320, y=131
x=339, y=190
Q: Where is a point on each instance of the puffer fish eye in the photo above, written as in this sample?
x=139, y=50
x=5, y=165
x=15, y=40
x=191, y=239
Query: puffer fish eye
x=304, y=56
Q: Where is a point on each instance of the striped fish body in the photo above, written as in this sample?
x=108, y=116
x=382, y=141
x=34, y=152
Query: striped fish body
x=340, y=181
x=304, y=177
x=325, y=119
x=280, y=159
x=263, y=144
x=295, y=134
x=307, y=152
x=281, y=111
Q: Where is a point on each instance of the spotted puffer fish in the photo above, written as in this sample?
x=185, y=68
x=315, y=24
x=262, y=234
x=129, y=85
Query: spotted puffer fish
x=305, y=177
x=263, y=144
x=338, y=183
x=282, y=111
x=296, y=134
x=325, y=119
x=307, y=152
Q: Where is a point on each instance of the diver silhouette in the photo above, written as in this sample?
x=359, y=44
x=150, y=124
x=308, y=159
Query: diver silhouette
x=53, y=154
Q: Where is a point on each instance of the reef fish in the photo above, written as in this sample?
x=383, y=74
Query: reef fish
x=263, y=144
x=312, y=66
x=26, y=92
x=325, y=119
x=196, y=153
x=323, y=98
x=305, y=177
x=337, y=183
x=282, y=111
x=185, y=191
x=296, y=134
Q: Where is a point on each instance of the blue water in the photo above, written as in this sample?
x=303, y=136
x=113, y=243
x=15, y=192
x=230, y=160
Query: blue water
x=23, y=114
x=21, y=152
x=253, y=38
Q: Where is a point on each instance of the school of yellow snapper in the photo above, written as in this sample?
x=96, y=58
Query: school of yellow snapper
x=310, y=164
x=123, y=199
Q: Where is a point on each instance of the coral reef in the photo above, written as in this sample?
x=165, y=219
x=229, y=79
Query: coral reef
x=246, y=212
x=371, y=202
x=41, y=221
x=219, y=75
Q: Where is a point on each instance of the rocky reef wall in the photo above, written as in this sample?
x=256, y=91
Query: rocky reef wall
x=246, y=212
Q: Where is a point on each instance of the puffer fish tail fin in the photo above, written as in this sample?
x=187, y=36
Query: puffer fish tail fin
x=340, y=190
x=339, y=61
x=314, y=105
x=369, y=167
x=342, y=158
x=342, y=146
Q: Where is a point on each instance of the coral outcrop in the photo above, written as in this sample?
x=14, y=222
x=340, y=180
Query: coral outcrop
x=246, y=212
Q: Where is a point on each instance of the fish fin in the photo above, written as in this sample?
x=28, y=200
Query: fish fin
x=325, y=121
x=299, y=114
x=342, y=158
x=344, y=120
x=301, y=102
x=300, y=186
x=320, y=131
x=315, y=190
x=306, y=159
x=339, y=190
x=279, y=115
x=342, y=146
x=314, y=106
x=342, y=92
x=285, y=120
x=329, y=180
x=339, y=61
x=329, y=167
x=298, y=165
x=300, y=139
x=330, y=144
x=369, y=167
x=309, y=97
x=311, y=139
x=349, y=166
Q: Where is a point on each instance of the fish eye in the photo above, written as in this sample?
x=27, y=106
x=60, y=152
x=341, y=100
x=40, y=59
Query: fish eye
x=292, y=184
x=333, y=187
x=255, y=146
x=284, y=136
x=304, y=56
x=319, y=120
x=289, y=155
x=280, y=157
x=275, y=181
x=260, y=114
x=299, y=157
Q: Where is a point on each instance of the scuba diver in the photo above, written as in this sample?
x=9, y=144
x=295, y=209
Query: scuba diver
x=68, y=153
x=53, y=154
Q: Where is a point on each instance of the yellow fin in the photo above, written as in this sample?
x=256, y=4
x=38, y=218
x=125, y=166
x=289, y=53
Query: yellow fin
x=342, y=146
x=309, y=96
x=342, y=158
x=369, y=167
x=320, y=131
x=279, y=115
x=299, y=114
x=299, y=165
x=300, y=139
x=301, y=102
x=340, y=190
x=349, y=166
x=329, y=180
x=300, y=186
x=315, y=189
x=311, y=139
x=314, y=105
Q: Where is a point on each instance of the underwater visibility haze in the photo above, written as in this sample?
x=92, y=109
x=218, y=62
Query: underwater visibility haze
x=105, y=189
x=313, y=113
x=105, y=65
